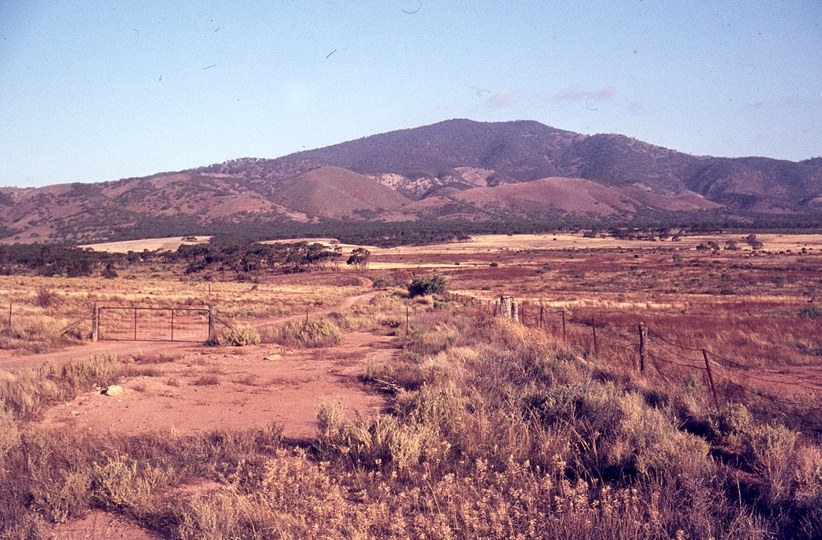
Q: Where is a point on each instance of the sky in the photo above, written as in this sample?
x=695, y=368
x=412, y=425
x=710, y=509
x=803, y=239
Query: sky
x=96, y=90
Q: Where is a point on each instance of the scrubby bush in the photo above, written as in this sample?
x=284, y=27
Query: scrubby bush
x=239, y=336
x=424, y=286
x=47, y=298
x=810, y=312
x=310, y=333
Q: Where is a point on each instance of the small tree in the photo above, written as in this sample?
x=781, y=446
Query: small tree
x=359, y=258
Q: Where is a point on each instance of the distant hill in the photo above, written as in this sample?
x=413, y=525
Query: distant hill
x=457, y=169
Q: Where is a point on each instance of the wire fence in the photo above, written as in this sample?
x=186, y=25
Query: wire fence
x=625, y=339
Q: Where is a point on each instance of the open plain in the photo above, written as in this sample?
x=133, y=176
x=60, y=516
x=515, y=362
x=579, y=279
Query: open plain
x=410, y=388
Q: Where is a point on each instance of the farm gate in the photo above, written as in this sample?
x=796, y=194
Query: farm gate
x=113, y=323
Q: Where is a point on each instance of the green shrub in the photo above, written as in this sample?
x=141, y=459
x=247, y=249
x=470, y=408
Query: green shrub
x=424, y=286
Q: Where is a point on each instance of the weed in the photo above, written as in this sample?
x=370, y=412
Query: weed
x=206, y=380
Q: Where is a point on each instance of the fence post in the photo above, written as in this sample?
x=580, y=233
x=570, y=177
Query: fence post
x=564, y=335
x=95, y=323
x=710, y=376
x=541, y=317
x=172, y=324
x=212, y=334
x=514, y=312
x=10, y=305
x=506, y=307
x=406, y=319
x=594, y=329
x=643, y=346
x=135, y=324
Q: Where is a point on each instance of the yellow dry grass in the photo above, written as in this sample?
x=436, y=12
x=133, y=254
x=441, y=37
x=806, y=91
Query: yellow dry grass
x=150, y=244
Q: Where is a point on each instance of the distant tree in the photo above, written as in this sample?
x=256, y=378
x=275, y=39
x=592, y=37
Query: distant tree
x=109, y=272
x=753, y=242
x=359, y=258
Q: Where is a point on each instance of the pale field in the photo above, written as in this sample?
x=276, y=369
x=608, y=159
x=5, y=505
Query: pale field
x=75, y=296
x=171, y=244
x=490, y=244
x=150, y=244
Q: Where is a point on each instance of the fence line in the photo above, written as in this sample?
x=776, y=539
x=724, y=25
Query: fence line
x=714, y=366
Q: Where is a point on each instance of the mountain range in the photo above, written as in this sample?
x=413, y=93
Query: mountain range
x=453, y=170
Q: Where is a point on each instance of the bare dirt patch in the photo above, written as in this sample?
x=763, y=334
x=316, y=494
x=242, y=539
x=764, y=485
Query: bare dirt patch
x=241, y=388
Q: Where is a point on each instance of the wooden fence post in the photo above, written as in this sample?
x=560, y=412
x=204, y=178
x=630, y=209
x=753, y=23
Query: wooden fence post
x=506, y=307
x=95, y=322
x=10, y=306
x=594, y=328
x=643, y=346
x=407, y=332
x=564, y=335
x=135, y=324
x=541, y=317
x=514, y=312
x=212, y=334
x=710, y=377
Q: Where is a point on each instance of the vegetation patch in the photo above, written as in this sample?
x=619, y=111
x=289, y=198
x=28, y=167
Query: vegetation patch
x=310, y=333
x=425, y=286
x=238, y=336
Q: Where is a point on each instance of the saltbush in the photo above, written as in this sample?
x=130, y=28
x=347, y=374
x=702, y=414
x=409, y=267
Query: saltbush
x=239, y=336
x=311, y=333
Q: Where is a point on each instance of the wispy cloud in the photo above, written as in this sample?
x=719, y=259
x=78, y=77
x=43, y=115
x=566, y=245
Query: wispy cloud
x=573, y=94
x=501, y=99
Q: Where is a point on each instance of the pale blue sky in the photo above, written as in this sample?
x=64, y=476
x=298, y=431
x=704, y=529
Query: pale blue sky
x=97, y=90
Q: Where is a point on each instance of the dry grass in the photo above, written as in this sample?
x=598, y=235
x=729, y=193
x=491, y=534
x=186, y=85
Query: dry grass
x=309, y=333
x=494, y=430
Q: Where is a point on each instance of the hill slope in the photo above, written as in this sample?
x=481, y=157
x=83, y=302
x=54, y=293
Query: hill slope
x=457, y=169
x=335, y=193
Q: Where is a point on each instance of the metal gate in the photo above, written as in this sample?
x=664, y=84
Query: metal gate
x=151, y=324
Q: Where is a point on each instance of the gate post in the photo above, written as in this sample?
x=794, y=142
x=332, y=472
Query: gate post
x=643, y=345
x=95, y=323
x=212, y=334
